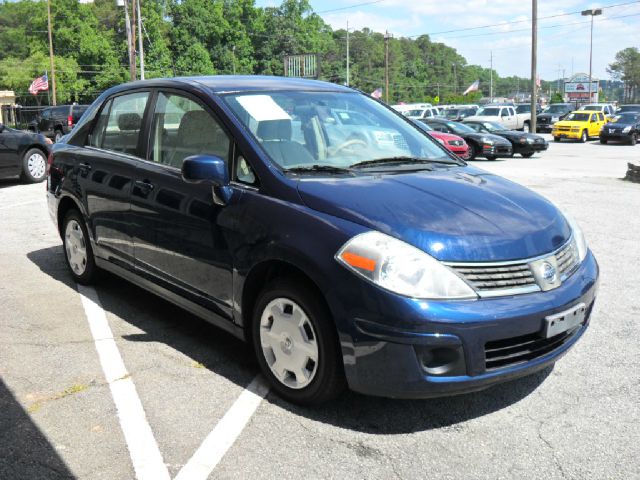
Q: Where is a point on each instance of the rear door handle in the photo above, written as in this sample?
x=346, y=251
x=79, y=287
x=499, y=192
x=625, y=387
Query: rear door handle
x=144, y=185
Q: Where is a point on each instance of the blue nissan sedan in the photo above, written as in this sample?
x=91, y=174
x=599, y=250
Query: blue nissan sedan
x=348, y=247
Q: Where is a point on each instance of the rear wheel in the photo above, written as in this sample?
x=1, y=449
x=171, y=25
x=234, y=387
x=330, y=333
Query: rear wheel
x=584, y=137
x=77, y=248
x=34, y=165
x=296, y=343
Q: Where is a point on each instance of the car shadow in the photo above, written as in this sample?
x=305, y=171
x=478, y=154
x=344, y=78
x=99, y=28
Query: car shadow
x=25, y=452
x=9, y=182
x=225, y=355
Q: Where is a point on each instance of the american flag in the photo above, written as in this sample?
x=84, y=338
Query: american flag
x=40, y=83
x=377, y=93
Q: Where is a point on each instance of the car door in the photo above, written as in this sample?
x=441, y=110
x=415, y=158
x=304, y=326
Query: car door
x=594, y=128
x=43, y=121
x=106, y=168
x=179, y=242
x=10, y=163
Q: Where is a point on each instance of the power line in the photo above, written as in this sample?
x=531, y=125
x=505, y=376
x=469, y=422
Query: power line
x=349, y=7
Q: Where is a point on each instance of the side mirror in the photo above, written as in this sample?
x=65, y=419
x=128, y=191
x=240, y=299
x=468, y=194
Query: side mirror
x=205, y=168
x=210, y=169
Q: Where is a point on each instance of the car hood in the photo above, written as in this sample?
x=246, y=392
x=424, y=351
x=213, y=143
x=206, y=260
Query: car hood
x=571, y=123
x=444, y=136
x=455, y=214
x=477, y=136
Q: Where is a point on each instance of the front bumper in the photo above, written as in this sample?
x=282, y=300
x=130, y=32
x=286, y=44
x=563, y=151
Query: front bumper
x=497, y=150
x=567, y=134
x=386, y=357
x=615, y=135
x=530, y=147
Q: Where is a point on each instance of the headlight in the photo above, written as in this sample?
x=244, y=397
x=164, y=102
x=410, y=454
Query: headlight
x=626, y=129
x=523, y=140
x=530, y=140
x=487, y=140
x=440, y=140
x=578, y=237
x=401, y=268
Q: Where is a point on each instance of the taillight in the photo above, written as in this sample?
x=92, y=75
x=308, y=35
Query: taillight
x=69, y=121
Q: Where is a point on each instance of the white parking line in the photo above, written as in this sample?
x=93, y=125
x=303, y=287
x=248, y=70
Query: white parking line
x=225, y=433
x=143, y=448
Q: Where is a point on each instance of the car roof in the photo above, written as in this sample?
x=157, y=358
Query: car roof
x=238, y=83
x=584, y=111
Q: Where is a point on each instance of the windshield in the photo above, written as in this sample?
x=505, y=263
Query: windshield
x=459, y=128
x=592, y=108
x=489, y=112
x=523, y=109
x=556, y=109
x=415, y=113
x=627, y=118
x=578, y=117
x=299, y=129
x=452, y=113
x=629, y=108
x=493, y=127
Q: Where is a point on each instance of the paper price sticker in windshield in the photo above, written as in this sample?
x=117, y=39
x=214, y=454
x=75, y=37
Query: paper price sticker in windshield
x=262, y=108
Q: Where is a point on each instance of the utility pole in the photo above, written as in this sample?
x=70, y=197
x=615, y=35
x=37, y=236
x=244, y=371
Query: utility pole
x=53, y=67
x=132, y=58
x=534, y=62
x=233, y=58
x=386, y=65
x=455, y=80
x=140, y=47
x=347, y=53
x=133, y=38
x=592, y=12
x=491, y=78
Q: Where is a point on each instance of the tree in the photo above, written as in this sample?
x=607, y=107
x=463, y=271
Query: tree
x=626, y=67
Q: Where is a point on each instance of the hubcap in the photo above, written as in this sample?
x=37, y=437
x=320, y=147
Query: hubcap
x=289, y=343
x=76, y=247
x=36, y=164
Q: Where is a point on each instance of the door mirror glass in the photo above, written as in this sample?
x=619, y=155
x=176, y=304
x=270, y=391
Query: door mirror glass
x=205, y=168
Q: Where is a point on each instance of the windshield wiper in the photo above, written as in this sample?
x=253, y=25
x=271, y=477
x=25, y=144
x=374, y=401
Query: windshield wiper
x=397, y=161
x=318, y=168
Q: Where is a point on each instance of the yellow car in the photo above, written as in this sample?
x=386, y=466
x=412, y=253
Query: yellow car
x=579, y=125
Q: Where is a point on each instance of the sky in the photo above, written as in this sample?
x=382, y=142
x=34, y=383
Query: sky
x=563, y=41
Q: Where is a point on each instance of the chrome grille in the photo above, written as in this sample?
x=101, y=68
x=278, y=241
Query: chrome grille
x=511, y=278
x=498, y=277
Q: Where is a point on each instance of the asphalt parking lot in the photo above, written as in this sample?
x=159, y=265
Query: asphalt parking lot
x=58, y=406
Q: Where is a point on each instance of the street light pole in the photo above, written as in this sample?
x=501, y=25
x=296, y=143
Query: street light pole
x=53, y=67
x=347, y=53
x=592, y=13
x=386, y=66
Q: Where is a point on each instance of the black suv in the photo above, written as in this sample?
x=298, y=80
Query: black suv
x=54, y=122
x=555, y=112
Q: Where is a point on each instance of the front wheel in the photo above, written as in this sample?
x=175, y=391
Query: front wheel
x=58, y=136
x=296, y=343
x=77, y=248
x=34, y=166
x=491, y=157
x=474, y=151
x=603, y=141
x=634, y=139
x=584, y=137
x=527, y=155
x=556, y=139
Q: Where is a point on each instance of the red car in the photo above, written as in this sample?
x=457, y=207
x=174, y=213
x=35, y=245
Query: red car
x=453, y=143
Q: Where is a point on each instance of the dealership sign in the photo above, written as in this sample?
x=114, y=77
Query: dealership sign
x=580, y=87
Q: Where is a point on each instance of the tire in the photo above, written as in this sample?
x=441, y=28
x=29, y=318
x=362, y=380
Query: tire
x=527, y=155
x=77, y=248
x=34, y=166
x=557, y=139
x=634, y=139
x=584, y=137
x=603, y=141
x=491, y=157
x=321, y=378
x=57, y=136
x=526, y=127
x=473, y=151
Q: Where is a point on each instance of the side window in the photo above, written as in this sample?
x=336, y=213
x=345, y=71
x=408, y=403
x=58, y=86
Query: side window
x=593, y=117
x=601, y=117
x=46, y=114
x=244, y=172
x=181, y=128
x=123, y=123
x=97, y=135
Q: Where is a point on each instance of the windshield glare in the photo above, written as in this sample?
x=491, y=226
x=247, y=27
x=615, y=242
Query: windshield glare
x=493, y=127
x=627, y=118
x=578, y=117
x=523, y=108
x=591, y=108
x=460, y=127
x=489, y=112
x=337, y=129
x=556, y=109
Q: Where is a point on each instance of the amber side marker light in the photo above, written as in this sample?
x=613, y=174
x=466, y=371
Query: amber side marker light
x=358, y=261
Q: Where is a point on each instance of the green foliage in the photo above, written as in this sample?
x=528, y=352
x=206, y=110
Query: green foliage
x=557, y=98
x=191, y=37
x=626, y=67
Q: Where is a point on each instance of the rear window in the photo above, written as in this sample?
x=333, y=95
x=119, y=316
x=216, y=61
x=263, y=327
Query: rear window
x=77, y=111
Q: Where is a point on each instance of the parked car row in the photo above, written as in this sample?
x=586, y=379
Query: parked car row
x=55, y=122
x=592, y=121
x=23, y=154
